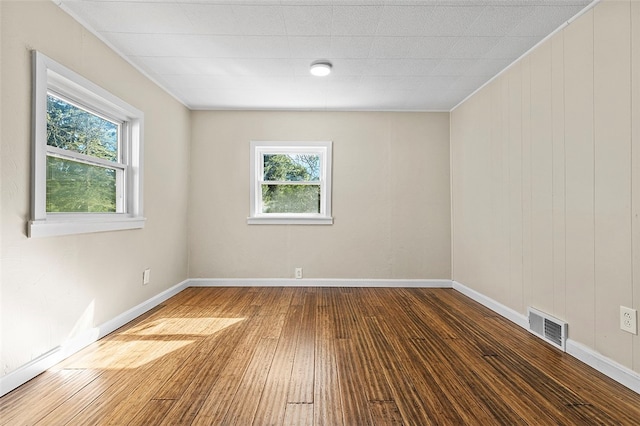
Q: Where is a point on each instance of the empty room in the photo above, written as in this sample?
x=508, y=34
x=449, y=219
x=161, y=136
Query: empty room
x=319, y=212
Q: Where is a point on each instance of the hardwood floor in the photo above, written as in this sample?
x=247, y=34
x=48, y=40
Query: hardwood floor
x=320, y=356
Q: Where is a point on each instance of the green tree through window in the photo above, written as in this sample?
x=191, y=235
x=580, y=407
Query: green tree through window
x=291, y=183
x=80, y=186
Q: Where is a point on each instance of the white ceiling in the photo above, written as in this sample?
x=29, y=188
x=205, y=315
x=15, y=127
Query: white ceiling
x=391, y=55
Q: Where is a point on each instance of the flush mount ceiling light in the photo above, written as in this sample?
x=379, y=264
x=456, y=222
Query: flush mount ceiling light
x=321, y=68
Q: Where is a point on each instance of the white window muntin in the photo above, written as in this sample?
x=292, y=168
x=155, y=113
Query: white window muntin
x=50, y=77
x=261, y=148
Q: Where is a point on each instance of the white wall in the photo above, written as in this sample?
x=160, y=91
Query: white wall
x=391, y=202
x=546, y=181
x=52, y=289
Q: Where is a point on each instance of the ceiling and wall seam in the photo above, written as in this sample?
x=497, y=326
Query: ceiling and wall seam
x=534, y=47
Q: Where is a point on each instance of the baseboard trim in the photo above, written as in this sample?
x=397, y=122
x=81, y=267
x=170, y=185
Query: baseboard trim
x=318, y=282
x=45, y=361
x=497, y=307
x=593, y=359
x=606, y=366
x=30, y=370
x=133, y=313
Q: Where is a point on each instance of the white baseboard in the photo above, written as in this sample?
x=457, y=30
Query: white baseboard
x=45, y=361
x=606, y=366
x=317, y=282
x=497, y=307
x=593, y=359
x=136, y=311
x=31, y=369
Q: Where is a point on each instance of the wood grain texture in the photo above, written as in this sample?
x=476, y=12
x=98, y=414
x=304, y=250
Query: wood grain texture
x=330, y=356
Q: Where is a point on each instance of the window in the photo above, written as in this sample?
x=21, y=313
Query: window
x=87, y=159
x=290, y=183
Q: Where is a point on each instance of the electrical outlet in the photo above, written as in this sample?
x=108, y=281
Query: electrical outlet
x=298, y=273
x=146, y=276
x=628, y=320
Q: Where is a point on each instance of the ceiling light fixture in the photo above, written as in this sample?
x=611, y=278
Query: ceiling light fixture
x=321, y=68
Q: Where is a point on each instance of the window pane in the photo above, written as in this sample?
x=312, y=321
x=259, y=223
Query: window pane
x=291, y=167
x=74, y=129
x=78, y=187
x=290, y=198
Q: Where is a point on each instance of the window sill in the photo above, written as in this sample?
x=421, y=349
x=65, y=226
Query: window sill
x=58, y=227
x=290, y=220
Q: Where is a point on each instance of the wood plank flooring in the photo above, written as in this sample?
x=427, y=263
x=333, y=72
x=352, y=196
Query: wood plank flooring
x=320, y=356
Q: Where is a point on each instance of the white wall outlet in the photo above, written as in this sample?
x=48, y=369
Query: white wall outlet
x=629, y=320
x=298, y=273
x=146, y=276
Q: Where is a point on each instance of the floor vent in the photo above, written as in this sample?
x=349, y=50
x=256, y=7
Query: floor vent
x=548, y=328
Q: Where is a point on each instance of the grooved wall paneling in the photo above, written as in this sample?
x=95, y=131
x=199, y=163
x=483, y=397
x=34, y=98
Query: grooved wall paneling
x=612, y=173
x=570, y=118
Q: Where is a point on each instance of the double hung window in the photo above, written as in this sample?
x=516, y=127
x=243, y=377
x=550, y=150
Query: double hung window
x=87, y=155
x=290, y=183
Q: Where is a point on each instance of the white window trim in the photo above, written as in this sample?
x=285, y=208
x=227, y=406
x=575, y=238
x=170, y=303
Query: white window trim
x=48, y=75
x=256, y=217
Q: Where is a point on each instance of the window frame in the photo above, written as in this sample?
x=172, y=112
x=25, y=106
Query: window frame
x=50, y=77
x=259, y=148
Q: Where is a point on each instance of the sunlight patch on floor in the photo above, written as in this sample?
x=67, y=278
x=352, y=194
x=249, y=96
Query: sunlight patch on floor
x=146, y=343
x=182, y=326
